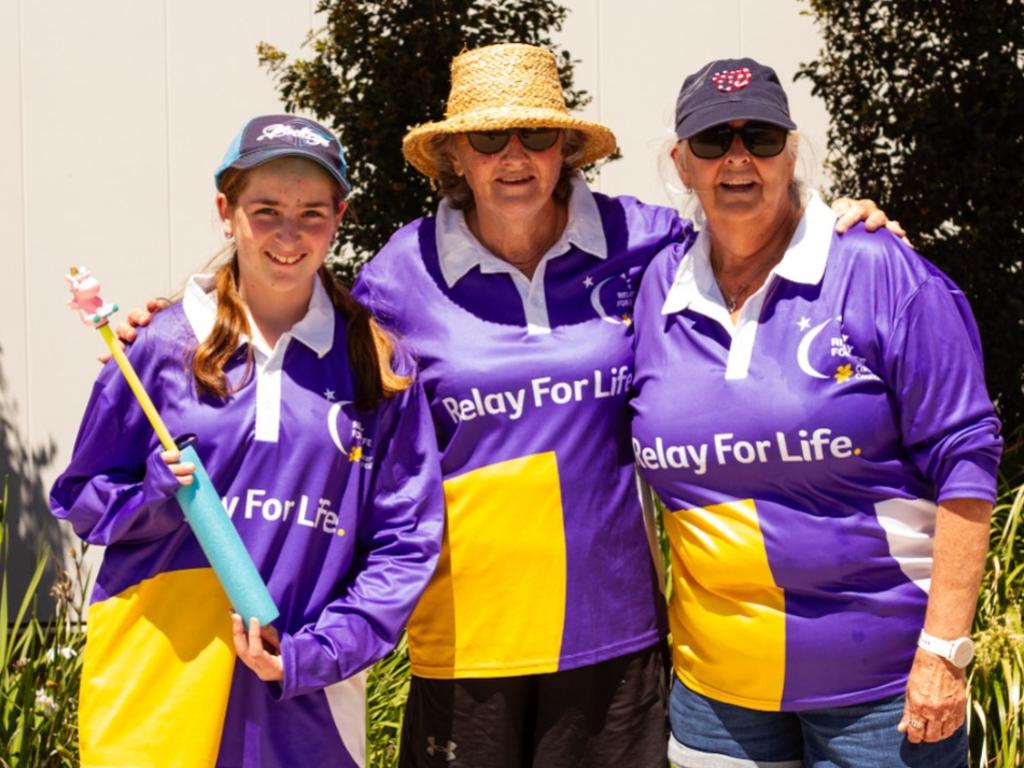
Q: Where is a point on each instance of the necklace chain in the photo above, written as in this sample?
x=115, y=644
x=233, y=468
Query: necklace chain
x=732, y=300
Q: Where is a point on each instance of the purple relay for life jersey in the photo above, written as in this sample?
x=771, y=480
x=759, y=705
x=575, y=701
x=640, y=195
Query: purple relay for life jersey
x=545, y=564
x=341, y=511
x=800, y=454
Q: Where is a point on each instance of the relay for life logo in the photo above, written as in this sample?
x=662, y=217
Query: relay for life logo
x=612, y=297
x=804, y=445
x=359, y=445
x=826, y=352
x=541, y=391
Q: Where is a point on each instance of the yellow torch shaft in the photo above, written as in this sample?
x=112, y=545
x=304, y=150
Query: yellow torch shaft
x=140, y=393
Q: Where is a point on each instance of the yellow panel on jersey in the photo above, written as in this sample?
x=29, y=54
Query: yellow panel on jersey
x=507, y=619
x=725, y=591
x=157, y=674
x=432, y=624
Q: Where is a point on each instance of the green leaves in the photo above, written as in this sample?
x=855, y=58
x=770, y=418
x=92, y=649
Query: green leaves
x=40, y=666
x=996, y=680
x=387, y=690
x=926, y=99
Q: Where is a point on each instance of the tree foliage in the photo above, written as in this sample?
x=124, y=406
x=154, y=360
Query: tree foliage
x=378, y=68
x=926, y=99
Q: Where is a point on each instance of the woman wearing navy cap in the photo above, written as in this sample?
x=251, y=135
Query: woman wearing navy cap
x=327, y=463
x=829, y=478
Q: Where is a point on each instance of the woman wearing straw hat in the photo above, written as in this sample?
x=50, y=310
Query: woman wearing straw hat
x=539, y=639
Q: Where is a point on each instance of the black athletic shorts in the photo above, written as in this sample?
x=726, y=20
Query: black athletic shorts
x=610, y=714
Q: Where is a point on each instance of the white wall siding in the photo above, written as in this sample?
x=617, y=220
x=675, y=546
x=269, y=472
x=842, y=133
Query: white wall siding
x=116, y=112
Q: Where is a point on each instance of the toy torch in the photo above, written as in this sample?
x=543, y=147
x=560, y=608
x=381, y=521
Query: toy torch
x=199, y=501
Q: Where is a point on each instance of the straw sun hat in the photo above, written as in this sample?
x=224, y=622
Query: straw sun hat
x=504, y=86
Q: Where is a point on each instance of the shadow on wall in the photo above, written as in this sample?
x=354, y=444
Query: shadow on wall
x=30, y=526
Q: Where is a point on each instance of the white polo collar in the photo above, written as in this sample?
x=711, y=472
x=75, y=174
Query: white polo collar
x=804, y=262
x=315, y=330
x=459, y=250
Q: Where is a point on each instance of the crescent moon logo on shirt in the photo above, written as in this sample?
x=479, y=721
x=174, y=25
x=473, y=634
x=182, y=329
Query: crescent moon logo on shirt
x=803, y=351
x=359, y=444
x=837, y=361
x=613, y=297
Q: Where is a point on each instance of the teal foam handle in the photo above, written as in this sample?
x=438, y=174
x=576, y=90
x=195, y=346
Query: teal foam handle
x=222, y=545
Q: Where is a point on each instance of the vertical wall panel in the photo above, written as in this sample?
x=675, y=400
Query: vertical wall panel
x=94, y=132
x=215, y=84
x=13, y=336
x=646, y=49
x=580, y=37
x=18, y=451
x=775, y=32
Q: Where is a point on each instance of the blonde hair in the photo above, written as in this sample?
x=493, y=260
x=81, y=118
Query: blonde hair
x=370, y=348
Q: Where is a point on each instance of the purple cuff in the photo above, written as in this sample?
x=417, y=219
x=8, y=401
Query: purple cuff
x=973, y=478
x=160, y=484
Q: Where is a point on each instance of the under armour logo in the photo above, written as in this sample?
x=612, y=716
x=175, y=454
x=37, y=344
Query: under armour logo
x=448, y=751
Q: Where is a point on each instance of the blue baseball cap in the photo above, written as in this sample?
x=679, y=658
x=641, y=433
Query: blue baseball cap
x=269, y=137
x=731, y=89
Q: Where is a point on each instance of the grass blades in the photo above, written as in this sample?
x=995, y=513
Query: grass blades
x=40, y=665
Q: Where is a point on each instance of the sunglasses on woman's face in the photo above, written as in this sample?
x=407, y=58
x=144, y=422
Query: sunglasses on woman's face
x=760, y=139
x=533, y=139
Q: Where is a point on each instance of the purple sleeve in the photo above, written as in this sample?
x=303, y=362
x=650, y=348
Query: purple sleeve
x=116, y=487
x=361, y=289
x=399, y=541
x=366, y=293
x=948, y=423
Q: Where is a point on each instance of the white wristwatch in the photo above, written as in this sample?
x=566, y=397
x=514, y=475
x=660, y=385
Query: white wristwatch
x=957, y=652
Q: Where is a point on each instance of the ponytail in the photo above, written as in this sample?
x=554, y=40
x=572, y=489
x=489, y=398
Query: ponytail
x=216, y=350
x=369, y=348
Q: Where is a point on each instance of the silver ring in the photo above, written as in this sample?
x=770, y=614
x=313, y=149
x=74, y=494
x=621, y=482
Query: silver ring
x=917, y=725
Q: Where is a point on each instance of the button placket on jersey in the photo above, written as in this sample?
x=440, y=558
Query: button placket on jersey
x=268, y=390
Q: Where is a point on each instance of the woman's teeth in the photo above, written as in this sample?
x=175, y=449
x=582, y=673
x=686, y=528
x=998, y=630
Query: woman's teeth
x=284, y=259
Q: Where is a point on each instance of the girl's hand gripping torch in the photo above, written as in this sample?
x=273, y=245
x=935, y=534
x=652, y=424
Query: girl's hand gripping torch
x=199, y=501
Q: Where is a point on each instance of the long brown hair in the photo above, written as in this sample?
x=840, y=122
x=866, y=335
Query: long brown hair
x=370, y=348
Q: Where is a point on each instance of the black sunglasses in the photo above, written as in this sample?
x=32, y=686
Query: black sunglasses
x=760, y=139
x=533, y=139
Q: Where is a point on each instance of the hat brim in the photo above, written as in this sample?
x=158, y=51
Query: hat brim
x=254, y=159
x=733, y=110
x=417, y=146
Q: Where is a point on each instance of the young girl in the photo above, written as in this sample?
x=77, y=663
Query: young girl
x=326, y=460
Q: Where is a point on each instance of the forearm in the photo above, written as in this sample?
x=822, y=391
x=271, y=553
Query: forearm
x=961, y=541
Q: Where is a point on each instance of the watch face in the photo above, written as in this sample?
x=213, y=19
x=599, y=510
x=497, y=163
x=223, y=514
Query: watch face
x=963, y=652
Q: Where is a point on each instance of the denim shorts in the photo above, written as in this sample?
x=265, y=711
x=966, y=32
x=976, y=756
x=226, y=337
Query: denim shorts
x=711, y=734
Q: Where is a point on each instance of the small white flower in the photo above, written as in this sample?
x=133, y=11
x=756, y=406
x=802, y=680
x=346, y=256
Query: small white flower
x=65, y=652
x=45, y=702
